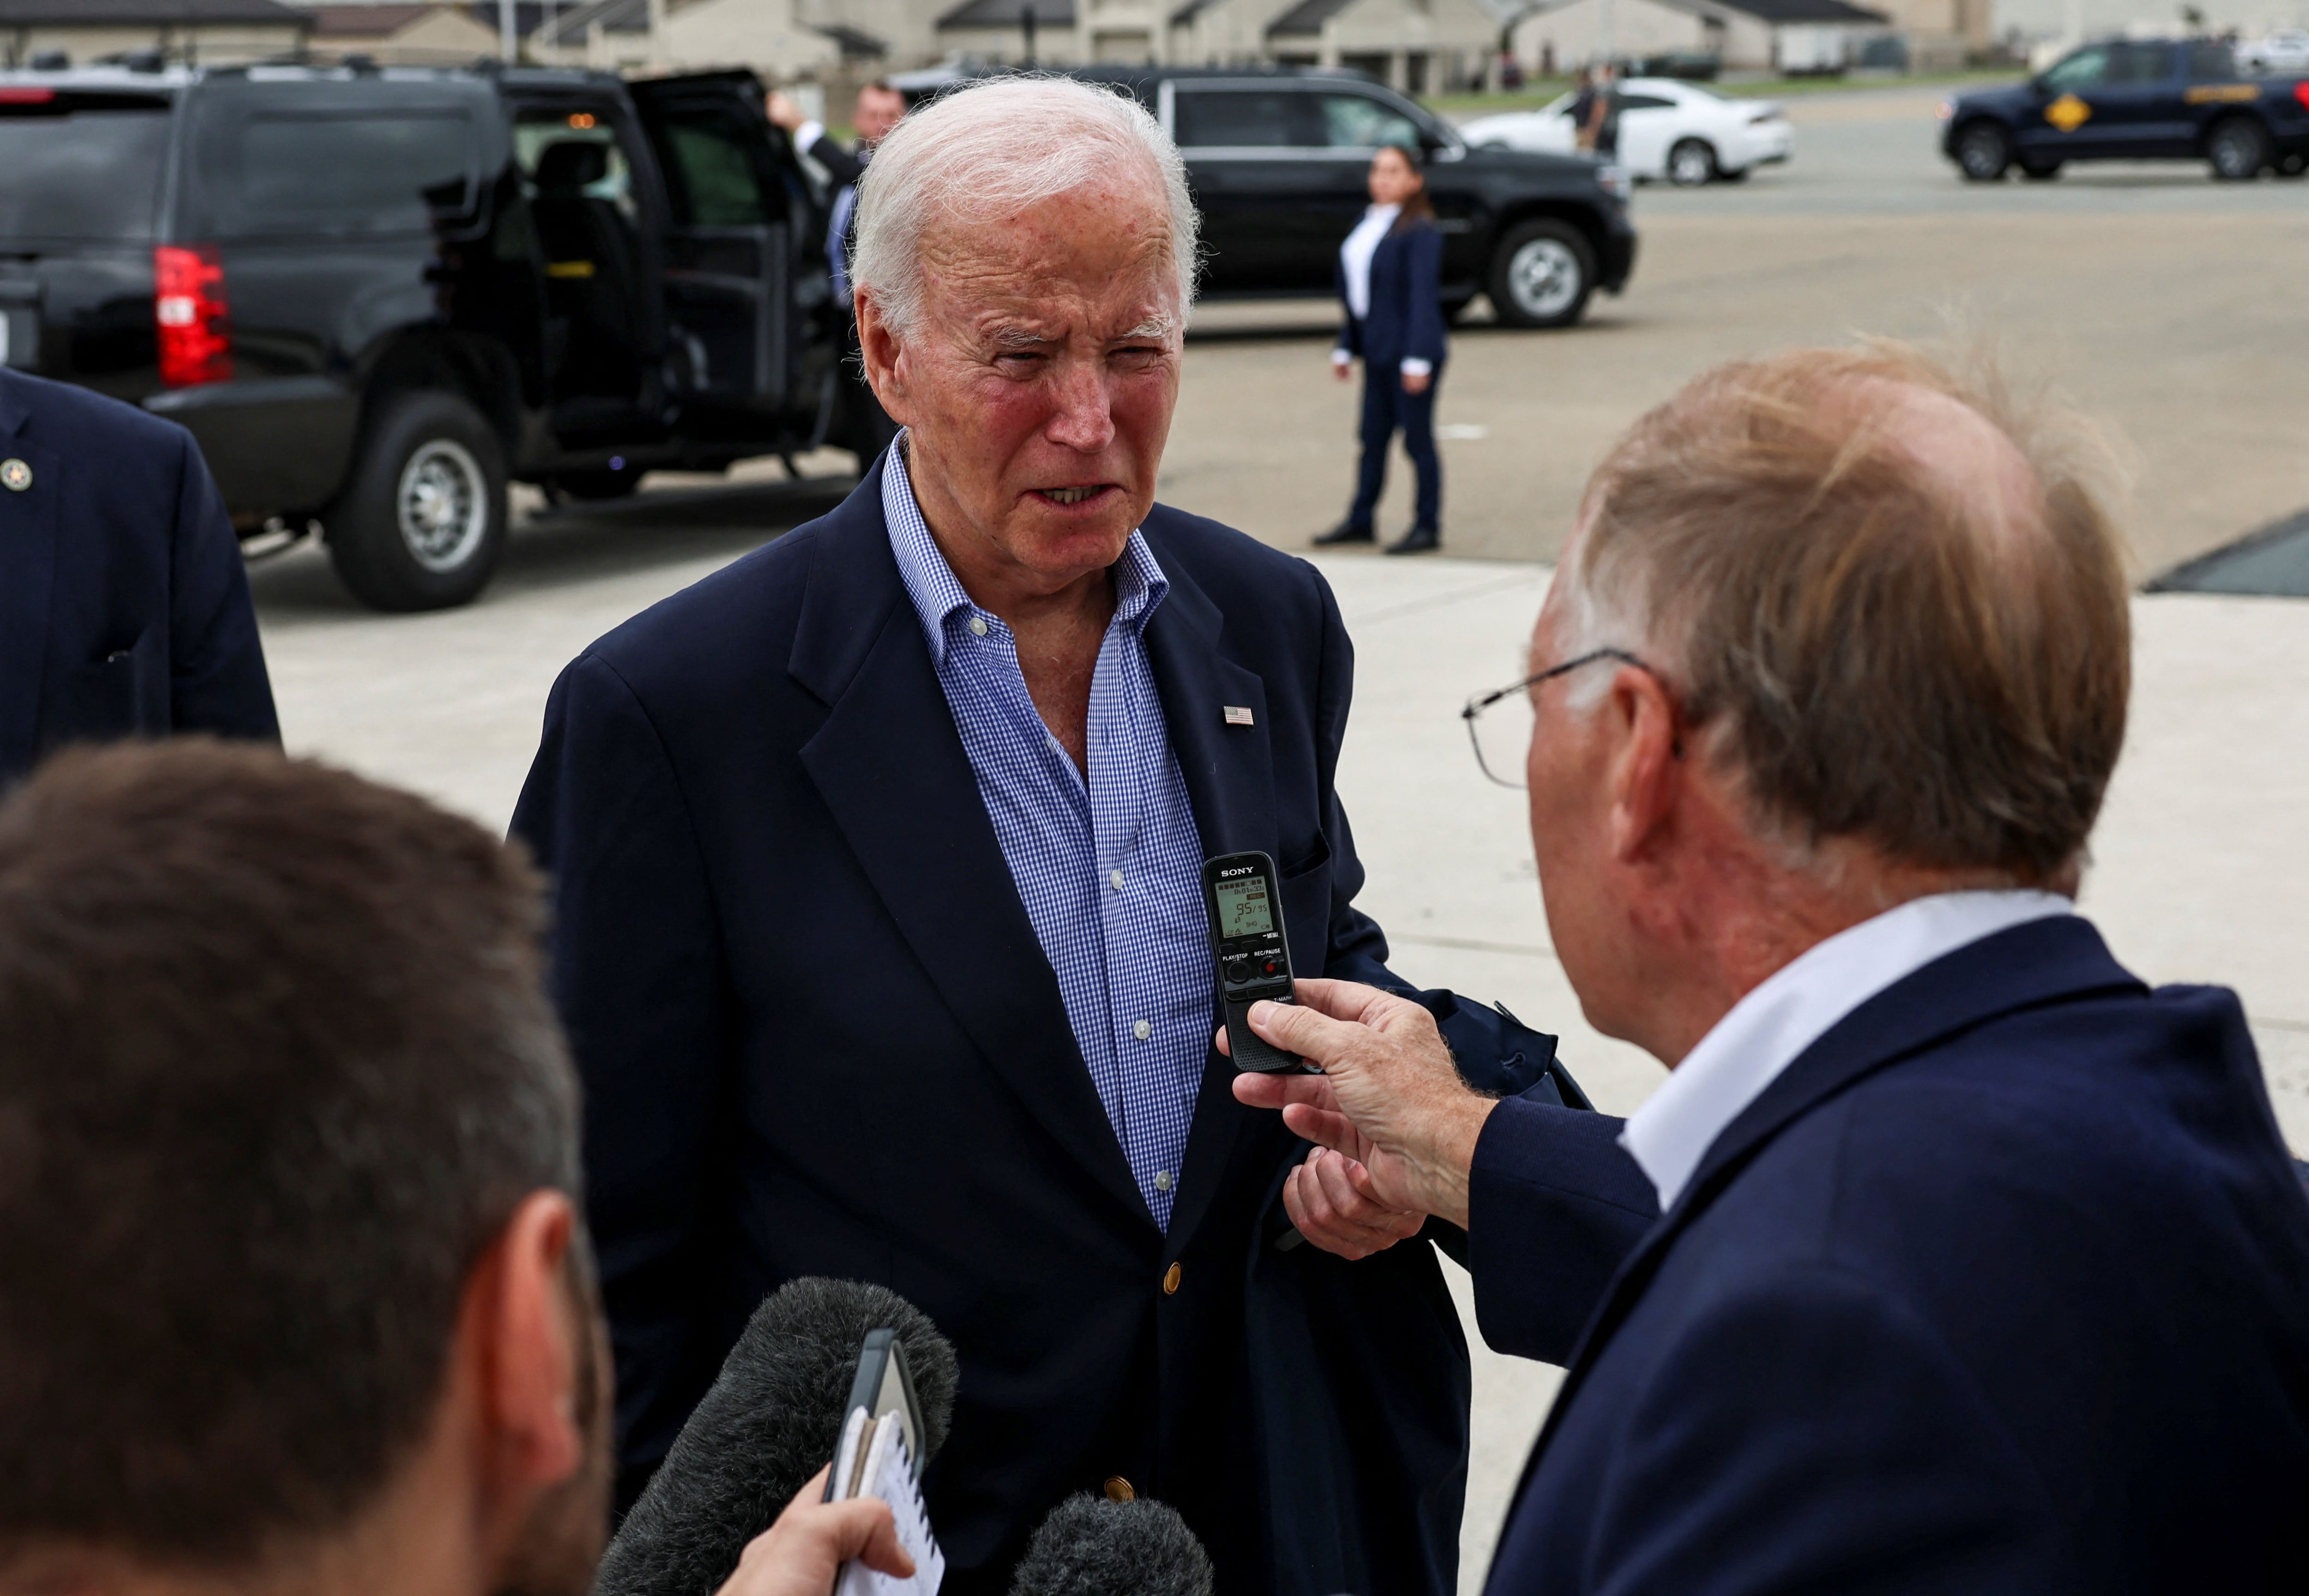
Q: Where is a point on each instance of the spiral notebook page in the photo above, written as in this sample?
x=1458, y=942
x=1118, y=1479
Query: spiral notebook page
x=886, y=1472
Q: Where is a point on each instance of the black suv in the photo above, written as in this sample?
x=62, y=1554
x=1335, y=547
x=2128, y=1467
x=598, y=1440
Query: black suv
x=375, y=295
x=1279, y=161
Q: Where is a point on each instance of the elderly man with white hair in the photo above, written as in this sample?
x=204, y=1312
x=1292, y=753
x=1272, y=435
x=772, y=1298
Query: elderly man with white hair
x=1981, y=1266
x=879, y=932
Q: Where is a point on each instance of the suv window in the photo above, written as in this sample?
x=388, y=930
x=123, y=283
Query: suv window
x=297, y=172
x=2210, y=61
x=1242, y=118
x=2138, y=63
x=1358, y=122
x=538, y=130
x=709, y=157
x=2086, y=69
x=82, y=166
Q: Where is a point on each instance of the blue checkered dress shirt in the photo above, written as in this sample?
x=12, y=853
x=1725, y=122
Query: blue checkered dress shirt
x=1110, y=868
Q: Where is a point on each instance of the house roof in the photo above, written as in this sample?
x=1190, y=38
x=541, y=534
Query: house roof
x=366, y=21
x=1308, y=16
x=1007, y=13
x=571, y=26
x=856, y=43
x=145, y=14
x=1189, y=12
x=1805, y=11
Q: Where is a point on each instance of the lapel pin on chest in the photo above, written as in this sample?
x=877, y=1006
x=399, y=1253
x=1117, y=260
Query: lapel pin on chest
x=1236, y=714
x=17, y=476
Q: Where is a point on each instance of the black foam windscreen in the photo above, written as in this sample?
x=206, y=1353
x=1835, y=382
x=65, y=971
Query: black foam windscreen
x=771, y=1421
x=1092, y=1547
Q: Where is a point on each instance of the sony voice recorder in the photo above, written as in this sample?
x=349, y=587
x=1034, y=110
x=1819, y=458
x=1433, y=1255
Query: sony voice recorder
x=1254, y=959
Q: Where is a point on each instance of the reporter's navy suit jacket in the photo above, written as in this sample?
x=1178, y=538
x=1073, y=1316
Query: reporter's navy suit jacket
x=1406, y=308
x=818, y=1036
x=124, y=606
x=2002, y=1286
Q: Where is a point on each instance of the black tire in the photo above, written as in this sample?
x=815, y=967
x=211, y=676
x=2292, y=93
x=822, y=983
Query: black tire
x=2292, y=166
x=2040, y=171
x=1691, y=164
x=2238, y=148
x=595, y=487
x=1542, y=274
x=421, y=520
x=1982, y=151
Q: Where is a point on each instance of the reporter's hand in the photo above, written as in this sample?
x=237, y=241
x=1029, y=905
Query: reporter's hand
x=1328, y=1198
x=801, y=1554
x=784, y=111
x=1416, y=382
x=1389, y=1098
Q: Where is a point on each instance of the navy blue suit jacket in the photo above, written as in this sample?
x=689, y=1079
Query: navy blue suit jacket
x=123, y=606
x=2002, y=1286
x=818, y=1036
x=1406, y=314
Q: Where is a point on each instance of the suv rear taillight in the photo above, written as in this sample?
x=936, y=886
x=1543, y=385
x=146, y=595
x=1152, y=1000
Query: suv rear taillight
x=188, y=308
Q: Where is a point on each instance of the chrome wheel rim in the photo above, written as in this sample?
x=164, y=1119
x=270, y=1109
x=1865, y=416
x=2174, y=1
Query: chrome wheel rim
x=442, y=504
x=1983, y=152
x=1544, y=276
x=1688, y=166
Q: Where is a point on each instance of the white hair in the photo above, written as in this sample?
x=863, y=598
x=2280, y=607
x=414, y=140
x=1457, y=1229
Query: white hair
x=994, y=148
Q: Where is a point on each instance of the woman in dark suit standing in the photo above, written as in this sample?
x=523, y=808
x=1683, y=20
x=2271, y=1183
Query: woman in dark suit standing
x=1388, y=274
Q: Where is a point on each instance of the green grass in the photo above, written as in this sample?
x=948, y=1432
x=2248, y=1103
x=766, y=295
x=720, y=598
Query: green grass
x=1539, y=91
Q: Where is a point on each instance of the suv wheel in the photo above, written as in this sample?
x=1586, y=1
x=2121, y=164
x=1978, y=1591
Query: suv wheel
x=2238, y=150
x=422, y=518
x=1982, y=151
x=1691, y=164
x=1542, y=274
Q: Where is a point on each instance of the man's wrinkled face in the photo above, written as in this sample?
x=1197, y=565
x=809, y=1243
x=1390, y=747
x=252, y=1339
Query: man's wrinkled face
x=1038, y=387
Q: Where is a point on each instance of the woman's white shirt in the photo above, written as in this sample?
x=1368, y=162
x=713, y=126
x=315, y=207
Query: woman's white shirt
x=1355, y=259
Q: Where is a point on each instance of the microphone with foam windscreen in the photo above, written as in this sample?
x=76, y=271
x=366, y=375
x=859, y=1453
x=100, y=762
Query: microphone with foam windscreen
x=772, y=1420
x=1092, y=1547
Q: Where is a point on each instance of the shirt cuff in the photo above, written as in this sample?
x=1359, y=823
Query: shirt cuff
x=1341, y=358
x=809, y=134
x=1418, y=369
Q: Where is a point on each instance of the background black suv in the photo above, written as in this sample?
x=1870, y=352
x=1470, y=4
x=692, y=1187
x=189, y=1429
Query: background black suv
x=375, y=295
x=1279, y=161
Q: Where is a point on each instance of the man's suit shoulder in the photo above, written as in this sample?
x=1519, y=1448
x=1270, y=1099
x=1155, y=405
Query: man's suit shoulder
x=61, y=416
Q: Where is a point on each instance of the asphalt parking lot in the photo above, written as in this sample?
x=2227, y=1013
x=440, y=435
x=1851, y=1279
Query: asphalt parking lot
x=2161, y=302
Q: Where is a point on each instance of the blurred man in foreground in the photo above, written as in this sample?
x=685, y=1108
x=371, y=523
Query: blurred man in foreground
x=293, y=1292
x=1983, y=1267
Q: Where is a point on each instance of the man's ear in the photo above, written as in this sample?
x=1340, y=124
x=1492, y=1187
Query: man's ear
x=1646, y=764
x=528, y=1350
x=885, y=358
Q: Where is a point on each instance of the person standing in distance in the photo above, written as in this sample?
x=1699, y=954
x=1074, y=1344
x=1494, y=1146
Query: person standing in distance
x=123, y=606
x=1389, y=275
x=878, y=109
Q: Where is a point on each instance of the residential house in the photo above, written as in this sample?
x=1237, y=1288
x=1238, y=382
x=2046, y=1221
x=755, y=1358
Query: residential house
x=616, y=35
x=210, y=32
x=414, y=35
x=1745, y=34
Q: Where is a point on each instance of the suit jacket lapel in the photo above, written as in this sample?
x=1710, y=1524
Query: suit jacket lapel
x=2041, y=962
x=27, y=564
x=1229, y=774
x=895, y=779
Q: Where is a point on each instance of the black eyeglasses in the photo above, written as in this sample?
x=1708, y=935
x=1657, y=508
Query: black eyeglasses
x=1503, y=741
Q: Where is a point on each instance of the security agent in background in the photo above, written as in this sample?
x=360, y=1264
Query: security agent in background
x=1983, y=1267
x=878, y=924
x=878, y=109
x=293, y=1291
x=123, y=606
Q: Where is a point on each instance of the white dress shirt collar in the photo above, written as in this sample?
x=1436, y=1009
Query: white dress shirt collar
x=1766, y=1031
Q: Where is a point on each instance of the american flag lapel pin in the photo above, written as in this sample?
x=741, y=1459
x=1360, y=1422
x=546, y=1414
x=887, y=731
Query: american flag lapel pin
x=1236, y=714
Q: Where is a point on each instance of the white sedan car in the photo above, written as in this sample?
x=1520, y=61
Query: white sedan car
x=1668, y=128
x=2278, y=52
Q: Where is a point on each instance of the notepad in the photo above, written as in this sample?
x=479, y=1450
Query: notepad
x=874, y=1460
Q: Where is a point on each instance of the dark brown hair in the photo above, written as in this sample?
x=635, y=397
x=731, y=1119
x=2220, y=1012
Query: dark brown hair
x=275, y=1068
x=1881, y=653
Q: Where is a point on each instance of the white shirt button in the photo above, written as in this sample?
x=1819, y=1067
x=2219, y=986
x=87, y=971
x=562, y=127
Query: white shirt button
x=1162, y=1180
x=1142, y=1031
x=1114, y=879
x=978, y=625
